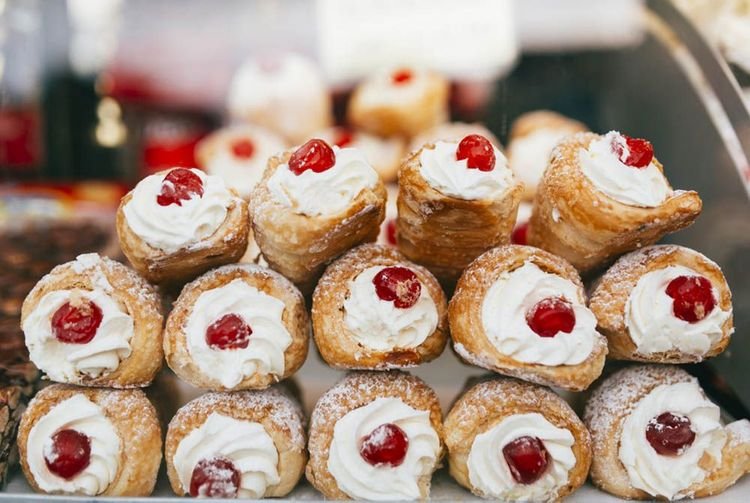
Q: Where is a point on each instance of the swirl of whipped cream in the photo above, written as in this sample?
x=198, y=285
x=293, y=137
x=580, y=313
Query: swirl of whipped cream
x=176, y=226
x=379, y=325
x=489, y=472
x=443, y=172
x=668, y=476
x=327, y=193
x=645, y=187
x=361, y=480
x=84, y=416
x=64, y=362
x=268, y=341
x=529, y=154
x=245, y=443
x=651, y=322
x=504, y=310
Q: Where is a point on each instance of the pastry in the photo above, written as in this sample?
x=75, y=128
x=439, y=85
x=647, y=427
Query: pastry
x=375, y=436
x=94, y=322
x=373, y=309
x=90, y=442
x=666, y=304
x=603, y=196
x=384, y=154
x=11, y=406
x=456, y=200
x=521, y=311
x=400, y=102
x=656, y=435
x=313, y=204
x=248, y=444
x=452, y=131
x=237, y=327
x=238, y=154
x=514, y=441
x=179, y=223
x=285, y=94
x=532, y=138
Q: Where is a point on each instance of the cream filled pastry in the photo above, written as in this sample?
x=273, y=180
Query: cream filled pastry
x=452, y=131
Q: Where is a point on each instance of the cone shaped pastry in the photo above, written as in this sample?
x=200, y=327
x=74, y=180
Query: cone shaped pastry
x=375, y=436
x=90, y=442
x=498, y=425
x=602, y=196
x=373, y=309
x=94, y=322
x=237, y=327
x=664, y=304
x=312, y=205
x=247, y=444
x=656, y=435
x=521, y=311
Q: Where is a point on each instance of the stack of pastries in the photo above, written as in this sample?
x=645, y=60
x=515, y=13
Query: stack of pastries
x=540, y=301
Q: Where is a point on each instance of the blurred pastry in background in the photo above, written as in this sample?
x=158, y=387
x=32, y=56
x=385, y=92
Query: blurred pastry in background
x=532, y=138
x=402, y=101
x=388, y=235
x=605, y=195
x=284, y=93
x=238, y=154
x=452, y=131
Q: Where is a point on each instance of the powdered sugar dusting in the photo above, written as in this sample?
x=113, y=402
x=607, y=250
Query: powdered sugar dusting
x=739, y=433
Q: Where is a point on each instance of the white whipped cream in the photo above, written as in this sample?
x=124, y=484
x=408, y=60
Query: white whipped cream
x=327, y=193
x=440, y=168
x=361, y=480
x=380, y=90
x=64, y=362
x=379, y=325
x=529, y=154
x=245, y=443
x=634, y=186
x=490, y=473
x=173, y=227
x=651, y=322
x=668, y=476
x=82, y=415
x=504, y=310
x=268, y=342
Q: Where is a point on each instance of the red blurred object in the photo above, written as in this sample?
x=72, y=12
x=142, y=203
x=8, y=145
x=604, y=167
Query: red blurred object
x=20, y=145
x=169, y=142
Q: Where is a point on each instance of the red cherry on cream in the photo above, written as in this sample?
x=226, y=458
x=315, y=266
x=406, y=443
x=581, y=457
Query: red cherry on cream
x=519, y=234
x=215, y=478
x=670, y=434
x=527, y=459
x=69, y=454
x=76, y=323
x=401, y=76
x=242, y=148
x=693, y=297
x=397, y=284
x=640, y=152
x=228, y=332
x=315, y=155
x=385, y=445
x=550, y=316
x=179, y=185
x=478, y=152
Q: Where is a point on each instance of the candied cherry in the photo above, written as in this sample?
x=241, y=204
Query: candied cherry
x=215, y=478
x=401, y=76
x=344, y=137
x=69, y=454
x=243, y=148
x=519, y=234
x=180, y=184
x=385, y=445
x=640, y=152
x=397, y=284
x=693, y=297
x=316, y=155
x=76, y=323
x=670, y=434
x=550, y=316
x=527, y=459
x=478, y=152
x=390, y=232
x=228, y=332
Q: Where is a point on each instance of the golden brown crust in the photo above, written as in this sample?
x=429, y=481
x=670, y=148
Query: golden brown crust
x=299, y=246
x=575, y=220
x=467, y=330
x=611, y=294
x=294, y=318
x=274, y=409
x=134, y=295
x=353, y=391
x=133, y=417
x=337, y=345
x=490, y=401
x=444, y=233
